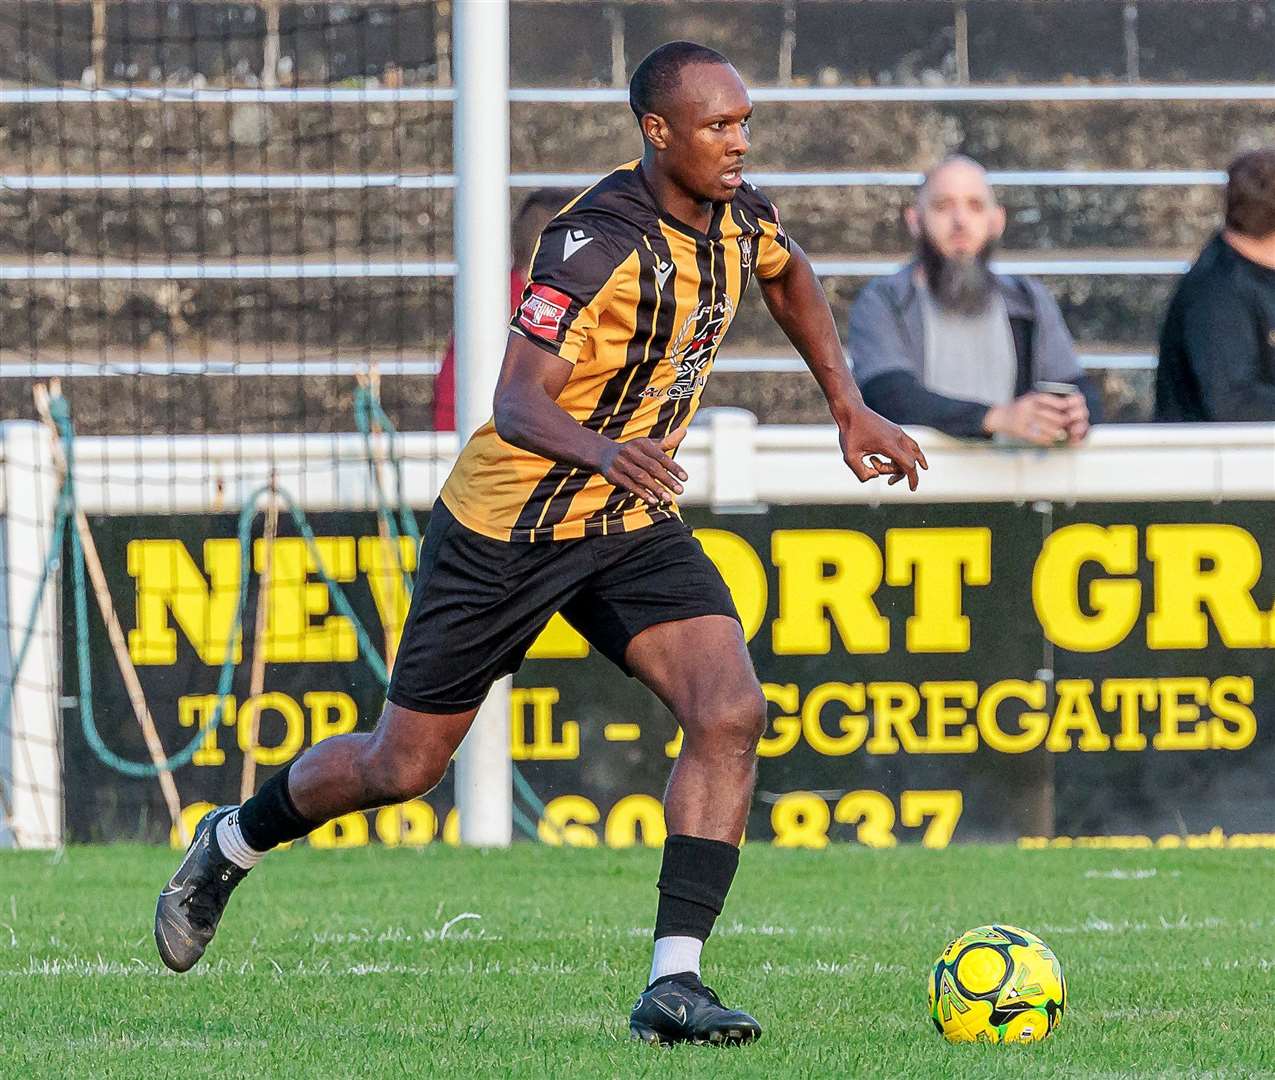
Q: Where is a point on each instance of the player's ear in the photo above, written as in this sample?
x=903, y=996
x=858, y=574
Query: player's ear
x=655, y=130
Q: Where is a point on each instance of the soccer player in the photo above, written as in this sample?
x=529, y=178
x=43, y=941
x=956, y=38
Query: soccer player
x=566, y=501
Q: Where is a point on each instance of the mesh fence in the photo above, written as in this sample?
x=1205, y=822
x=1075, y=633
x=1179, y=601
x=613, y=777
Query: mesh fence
x=225, y=281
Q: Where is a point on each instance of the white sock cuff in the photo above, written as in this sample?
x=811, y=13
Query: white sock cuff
x=674, y=955
x=233, y=845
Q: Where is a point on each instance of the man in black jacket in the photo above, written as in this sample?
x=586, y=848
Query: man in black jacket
x=1217, y=347
x=948, y=344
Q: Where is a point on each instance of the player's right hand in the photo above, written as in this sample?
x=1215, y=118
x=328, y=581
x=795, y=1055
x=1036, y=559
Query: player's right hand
x=644, y=467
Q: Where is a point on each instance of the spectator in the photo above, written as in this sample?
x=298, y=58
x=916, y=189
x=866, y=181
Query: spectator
x=1217, y=347
x=536, y=211
x=949, y=344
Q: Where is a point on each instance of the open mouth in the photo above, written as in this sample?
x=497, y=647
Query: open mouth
x=733, y=177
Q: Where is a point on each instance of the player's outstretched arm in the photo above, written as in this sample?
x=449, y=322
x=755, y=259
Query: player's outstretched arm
x=527, y=415
x=871, y=444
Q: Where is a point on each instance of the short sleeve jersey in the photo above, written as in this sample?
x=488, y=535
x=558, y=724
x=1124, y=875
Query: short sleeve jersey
x=638, y=303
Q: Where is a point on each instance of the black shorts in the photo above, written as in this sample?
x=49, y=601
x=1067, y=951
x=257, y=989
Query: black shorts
x=478, y=604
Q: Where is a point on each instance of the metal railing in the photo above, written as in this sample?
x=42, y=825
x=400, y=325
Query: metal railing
x=579, y=95
x=345, y=368
x=580, y=180
x=220, y=270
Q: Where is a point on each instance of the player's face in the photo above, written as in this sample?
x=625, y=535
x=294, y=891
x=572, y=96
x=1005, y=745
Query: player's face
x=958, y=212
x=707, y=132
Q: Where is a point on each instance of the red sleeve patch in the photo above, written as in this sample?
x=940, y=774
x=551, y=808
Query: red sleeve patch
x=542, y=310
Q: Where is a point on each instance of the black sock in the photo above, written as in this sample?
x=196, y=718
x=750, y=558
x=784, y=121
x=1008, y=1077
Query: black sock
x=269, y=818
x=694, y=880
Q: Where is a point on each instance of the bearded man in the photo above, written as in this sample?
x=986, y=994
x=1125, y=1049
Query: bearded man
x=948, y=344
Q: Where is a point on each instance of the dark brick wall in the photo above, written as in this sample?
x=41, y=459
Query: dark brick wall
x=565, y=42
x=386, y=223
x=156, y=41
x=139, y=405
x=221, y=404
x=569, y=42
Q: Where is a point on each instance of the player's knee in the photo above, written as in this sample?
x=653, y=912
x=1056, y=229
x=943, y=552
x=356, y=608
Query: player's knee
x=399, y=777
x=735, y=722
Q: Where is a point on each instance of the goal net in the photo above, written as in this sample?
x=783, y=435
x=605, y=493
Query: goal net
x=226, y=282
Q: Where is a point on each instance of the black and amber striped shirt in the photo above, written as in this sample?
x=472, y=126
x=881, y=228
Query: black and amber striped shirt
x=638, y=302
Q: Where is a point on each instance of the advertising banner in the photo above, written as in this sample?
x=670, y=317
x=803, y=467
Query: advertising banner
x=1094, y=674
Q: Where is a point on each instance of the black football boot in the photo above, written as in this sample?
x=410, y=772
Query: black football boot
x=680, y=1008
x=191, y=904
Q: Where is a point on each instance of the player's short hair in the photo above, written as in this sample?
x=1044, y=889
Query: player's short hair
x=657, y=77
x=1250, y=193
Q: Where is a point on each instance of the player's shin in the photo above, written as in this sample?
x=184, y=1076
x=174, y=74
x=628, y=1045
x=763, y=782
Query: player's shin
x=265, y=821
x=695, y=877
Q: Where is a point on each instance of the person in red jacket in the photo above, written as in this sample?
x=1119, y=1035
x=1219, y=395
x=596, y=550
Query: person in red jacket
x=536, y=211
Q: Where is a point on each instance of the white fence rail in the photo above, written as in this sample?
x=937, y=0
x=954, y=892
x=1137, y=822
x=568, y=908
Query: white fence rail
x=579, y=181
x=773, y=464
x=60, y=95
x=217, y=270
x=322, y=366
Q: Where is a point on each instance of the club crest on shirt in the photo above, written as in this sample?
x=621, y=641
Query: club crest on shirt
x=542, y=309
x=693, y=347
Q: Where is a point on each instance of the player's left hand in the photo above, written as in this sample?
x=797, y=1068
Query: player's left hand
x=873, y=446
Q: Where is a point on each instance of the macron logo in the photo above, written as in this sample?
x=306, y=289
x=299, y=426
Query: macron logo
x=662, y=272
x=573, y=242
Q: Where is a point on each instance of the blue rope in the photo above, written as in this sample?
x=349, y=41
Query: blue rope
x=62, y=418
x=366, y=407
x=225, y=680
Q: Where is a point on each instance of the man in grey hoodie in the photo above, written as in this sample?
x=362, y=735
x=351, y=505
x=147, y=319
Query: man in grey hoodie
x=946, y=343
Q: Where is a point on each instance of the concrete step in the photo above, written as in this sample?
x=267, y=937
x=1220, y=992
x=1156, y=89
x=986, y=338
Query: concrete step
x=1125, y=134
x=888, y=41
x=201, y=404
x=50, y=317
x=49, y=41
x=795, y=398
x=1116, y=219
x=386, y=223
x=1125, y=311
x=254, y=404
x=88, y=138
x=44, y=320
x=375, y=222
x=415, y=137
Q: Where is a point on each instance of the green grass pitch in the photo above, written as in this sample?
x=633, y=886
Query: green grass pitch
x=369, y=964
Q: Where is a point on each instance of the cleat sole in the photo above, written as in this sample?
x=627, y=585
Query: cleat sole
x=730, y=1037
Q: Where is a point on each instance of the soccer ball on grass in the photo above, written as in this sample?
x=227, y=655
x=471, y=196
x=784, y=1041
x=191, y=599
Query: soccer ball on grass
x=997, y=984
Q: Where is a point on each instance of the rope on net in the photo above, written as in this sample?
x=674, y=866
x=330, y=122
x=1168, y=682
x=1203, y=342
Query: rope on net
x=368, y=411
